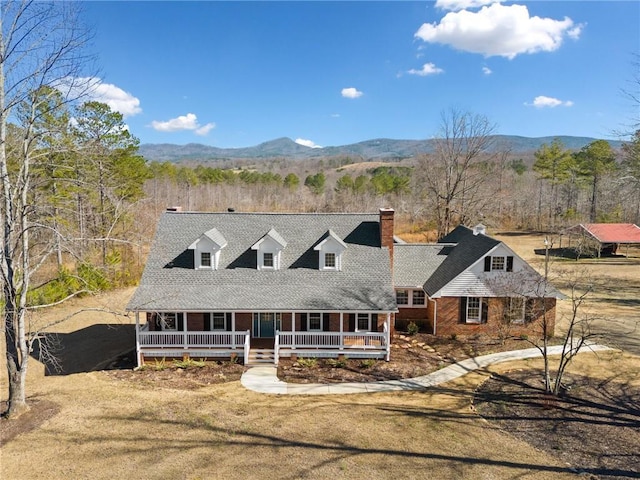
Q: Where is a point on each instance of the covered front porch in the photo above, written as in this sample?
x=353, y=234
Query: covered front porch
x=209, y=335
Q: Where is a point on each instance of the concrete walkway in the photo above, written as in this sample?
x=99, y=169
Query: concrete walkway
x=265, y=380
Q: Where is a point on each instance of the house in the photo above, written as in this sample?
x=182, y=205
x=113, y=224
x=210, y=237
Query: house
x=261, y=286
x=471, y=283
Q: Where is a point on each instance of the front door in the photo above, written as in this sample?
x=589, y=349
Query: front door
x=265, y=324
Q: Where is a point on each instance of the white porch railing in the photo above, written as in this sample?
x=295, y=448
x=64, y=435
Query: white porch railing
x=178, y=339
x=333, y=340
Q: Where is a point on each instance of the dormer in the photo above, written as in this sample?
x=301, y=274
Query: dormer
x=206, y=250
x=330, y=251
x=269, y=250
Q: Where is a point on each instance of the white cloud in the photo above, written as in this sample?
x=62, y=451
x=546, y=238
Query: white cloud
x=351, y=92
x=549, y=102
x=93, y=89
x=427, y=69
x=455, y=5
x=487, y=70
x=306, y=143
x=499, y=30
x=183, y=122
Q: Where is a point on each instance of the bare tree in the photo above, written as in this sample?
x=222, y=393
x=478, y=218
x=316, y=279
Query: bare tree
x=454, y=175
x=41, y=45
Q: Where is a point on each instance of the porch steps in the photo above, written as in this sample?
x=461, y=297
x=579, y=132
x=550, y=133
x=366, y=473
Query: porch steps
x=262, y=356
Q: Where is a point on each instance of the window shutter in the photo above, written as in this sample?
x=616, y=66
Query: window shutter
x=485, y=310
x=529, y=310
x=154, y=324
x=325, y=322
x=352, y=322
x=463, y=309
x=487, y=264
x=180, y=321
x=510, y=264
x=303, y=322
x=227, y=322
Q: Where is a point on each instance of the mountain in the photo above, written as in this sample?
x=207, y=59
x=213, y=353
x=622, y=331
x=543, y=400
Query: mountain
x=380, y=148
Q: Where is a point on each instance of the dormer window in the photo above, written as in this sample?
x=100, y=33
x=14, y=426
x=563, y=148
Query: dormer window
x=206, y=250
x=269, y=250
x=205, y=259
x=330, y=250
x=329, y=260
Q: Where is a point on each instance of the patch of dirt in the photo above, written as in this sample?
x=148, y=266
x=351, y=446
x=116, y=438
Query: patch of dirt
x=39, y=412
x=594, y=426
x=168, y=374
x=411, y=356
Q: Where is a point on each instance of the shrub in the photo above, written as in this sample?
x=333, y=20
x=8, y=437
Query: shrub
x=307, y=362
x=188, y=363
x=368, y=362
x=412, y=328
x=338, y=362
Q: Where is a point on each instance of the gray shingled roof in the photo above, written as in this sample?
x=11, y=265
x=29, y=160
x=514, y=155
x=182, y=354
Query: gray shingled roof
x=170, y=282
x=414, y=263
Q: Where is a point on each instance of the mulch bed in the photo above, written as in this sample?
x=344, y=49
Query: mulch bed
x=411, y=356
x=593, y=426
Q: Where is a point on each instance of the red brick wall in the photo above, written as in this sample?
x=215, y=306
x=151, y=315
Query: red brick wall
x=448, y=319
x=418, y=315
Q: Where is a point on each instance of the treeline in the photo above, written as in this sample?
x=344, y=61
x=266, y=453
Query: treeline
x=78, y=169
x=553, y=188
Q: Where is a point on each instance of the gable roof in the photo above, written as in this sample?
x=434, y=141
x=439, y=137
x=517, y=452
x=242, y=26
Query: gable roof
x=214, y=235
x=330, y=236
x=468, y=250
x=273, y=235
x=170, y=283
x=609, y=232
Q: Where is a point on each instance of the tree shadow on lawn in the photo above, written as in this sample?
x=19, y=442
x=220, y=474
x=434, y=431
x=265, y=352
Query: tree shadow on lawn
x=244, y=438
x=97, y=347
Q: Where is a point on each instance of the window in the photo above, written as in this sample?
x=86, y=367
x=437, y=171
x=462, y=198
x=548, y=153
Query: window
x=515, y=309
x=402, y=297
x=268, y=260
x=474, y=310
x=363, y=322
x=418, y=297
x=205, y=259
x=315, y=322
x=217, y=321
x=329, y=260
x=497, y=263
x=169, y=321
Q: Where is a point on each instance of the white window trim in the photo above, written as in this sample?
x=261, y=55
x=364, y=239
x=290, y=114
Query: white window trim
x=410, y=303
x=504, y=263
x=163, y=321
x=356, y=327
x=521, y=320
x=309, y=329
x=474, y=320
x=210, y=321
x=211, y=261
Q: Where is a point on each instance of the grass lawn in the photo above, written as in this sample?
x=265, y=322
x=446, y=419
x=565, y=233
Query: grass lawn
x=100, y=426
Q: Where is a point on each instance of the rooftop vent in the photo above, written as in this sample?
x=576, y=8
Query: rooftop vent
x=231, y=210
x=174, y=209
x=480, y=229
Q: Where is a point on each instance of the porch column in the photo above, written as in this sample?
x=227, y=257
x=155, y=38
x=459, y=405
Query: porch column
x=184, y=330
x=341, y=330
x=388, y=322
x=138, y=353
x=233, y=330
x=293, y=330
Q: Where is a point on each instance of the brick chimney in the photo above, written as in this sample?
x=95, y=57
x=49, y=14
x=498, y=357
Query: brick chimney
x=386, y=230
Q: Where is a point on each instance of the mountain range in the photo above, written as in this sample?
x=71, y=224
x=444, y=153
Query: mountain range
x=380, y=148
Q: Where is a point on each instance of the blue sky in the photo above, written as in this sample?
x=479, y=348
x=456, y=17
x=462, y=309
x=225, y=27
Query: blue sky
x=235, y=74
